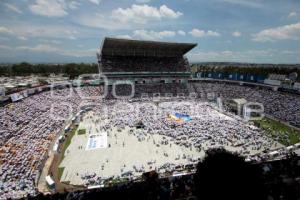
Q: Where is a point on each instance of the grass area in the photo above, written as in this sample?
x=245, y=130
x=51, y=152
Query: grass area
x=279, y=132
x=68, y=141
x=81, y=132
x=60, y=172
x=66, y=144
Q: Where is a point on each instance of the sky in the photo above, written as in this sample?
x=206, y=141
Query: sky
x=60, y=31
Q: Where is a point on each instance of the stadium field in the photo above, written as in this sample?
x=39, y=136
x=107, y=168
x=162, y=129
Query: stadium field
x=109, y=152
x=279, y=131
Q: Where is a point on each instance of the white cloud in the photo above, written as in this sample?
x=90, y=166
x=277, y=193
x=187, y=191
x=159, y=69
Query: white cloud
x=168, y=12
x=13, y=8
x=234, y=56
x=132, y=18
x=237, y=34
x=152, y=35
x=181, y=32
x=97, y=2
x=202, y=33
x=197, y=33
x=22, y=38
x=124, y=36
x=43, y=31
x=287, y=32
x=142, y=1
x=46, y=48
x=143, y=13
x=248, y=3
x=292, y=15
x=212, y=33
x=74, y=5
x=53, y=8
x=5, y=30
x=39, y=48
x=98, y=20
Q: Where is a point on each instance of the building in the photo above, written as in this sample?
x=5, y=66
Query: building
x=236, y=105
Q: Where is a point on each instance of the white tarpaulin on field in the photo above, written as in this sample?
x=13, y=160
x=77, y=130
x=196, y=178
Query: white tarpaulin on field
x=97, y=141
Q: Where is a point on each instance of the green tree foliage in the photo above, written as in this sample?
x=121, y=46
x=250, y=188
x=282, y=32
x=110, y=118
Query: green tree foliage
x=25, y=69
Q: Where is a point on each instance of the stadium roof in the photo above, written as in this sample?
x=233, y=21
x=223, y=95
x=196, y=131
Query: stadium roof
x=125, y=47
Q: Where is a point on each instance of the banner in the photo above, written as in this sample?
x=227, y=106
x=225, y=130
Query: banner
x=179, y=118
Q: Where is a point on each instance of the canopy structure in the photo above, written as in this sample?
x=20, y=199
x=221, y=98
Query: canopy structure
x=241, y=101
x=125, y=47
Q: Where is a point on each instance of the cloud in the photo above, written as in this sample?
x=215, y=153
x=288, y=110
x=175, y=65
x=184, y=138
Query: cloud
x=234, y=56
x=287, y=32
x=13, y=8
x=212, y=33
x=236, y=34
x=197, y=33
x=142, y=1
x=132, y=18
x=169, y=13
x=46, y=48
x=202, y=33
x=124, y=36
x=143, y=13
x=97, y=2
x=22, y=38
x=22, y=31
x=181, y=32
x=39, y=48
x=99, y=20
x=53, y=8
x=152, y=35
x=247, y=3
x=292, y=15
x=74, y=5
x=5, y=30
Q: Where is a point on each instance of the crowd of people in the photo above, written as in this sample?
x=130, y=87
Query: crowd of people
x=283, y=106
x=143, y=64
x=26, y=132
x=207, y=129
x=27, y=128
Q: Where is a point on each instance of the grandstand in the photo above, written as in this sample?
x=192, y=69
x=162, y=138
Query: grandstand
x=142, y=61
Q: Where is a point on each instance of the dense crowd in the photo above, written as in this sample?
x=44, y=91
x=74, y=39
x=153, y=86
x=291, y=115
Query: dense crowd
x=283, y=106
x=143, y=64
x=208, y=128
x=26, y=130
x=280, y=105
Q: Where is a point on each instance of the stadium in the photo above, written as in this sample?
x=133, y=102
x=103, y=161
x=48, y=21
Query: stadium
x=148, y=109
